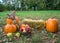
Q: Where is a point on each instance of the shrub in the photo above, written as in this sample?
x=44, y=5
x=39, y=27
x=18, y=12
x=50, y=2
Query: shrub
x=2, y=7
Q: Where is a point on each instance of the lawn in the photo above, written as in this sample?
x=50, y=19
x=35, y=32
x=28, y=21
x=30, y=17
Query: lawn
x=34, y=14
x=38, y=37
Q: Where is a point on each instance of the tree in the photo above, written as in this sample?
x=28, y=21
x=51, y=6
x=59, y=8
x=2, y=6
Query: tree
x=2, y=7
x=10, y=7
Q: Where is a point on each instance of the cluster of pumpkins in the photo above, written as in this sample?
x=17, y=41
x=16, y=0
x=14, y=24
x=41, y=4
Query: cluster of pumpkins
x=51, y=25
x=12, y=25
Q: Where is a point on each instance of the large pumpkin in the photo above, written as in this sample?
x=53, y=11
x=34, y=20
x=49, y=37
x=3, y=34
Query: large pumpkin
x=10, y=28
x=52, y=25
x=14, y=28
x=8, y=21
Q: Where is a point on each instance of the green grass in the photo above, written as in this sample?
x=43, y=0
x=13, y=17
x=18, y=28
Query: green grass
x=38, y=14
x=34, y=15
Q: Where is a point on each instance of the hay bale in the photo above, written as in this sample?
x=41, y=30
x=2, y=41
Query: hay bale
x=38, y=24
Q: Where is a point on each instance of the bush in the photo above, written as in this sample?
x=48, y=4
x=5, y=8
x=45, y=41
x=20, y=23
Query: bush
x=2, y=7
x=10, y=7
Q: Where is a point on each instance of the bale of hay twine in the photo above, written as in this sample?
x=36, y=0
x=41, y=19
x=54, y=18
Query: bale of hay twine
x=38, y=24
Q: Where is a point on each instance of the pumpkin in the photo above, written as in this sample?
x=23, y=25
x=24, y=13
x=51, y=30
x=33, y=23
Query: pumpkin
x=10, y=28
x=14, y=28
x=52, y=25
x=12, y=19
x=8, y=21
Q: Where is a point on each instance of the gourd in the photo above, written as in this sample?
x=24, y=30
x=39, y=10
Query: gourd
x=22, y=26
x=25, y=28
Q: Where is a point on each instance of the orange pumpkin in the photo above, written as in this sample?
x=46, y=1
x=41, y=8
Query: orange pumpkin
x=52, y=25
x=10, y=28
x=8, y=21
x=13, y=28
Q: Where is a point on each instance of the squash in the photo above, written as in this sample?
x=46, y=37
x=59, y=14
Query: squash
x=27, y=26
x=52, y=25
x=9, y=21
x=22, y=26
x=9, y=28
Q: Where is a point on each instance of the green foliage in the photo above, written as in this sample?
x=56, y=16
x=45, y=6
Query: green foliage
x=10, y=7
x=33, y=5
x=40, y=4
x=2, y=7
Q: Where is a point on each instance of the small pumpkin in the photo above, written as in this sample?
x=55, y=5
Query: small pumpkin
x=9, y=21
x=52, y=25
x=12, y=19
x=10, y=28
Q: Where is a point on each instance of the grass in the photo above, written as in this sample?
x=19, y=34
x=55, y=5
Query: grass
x=34, y=15
x=38, y=14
